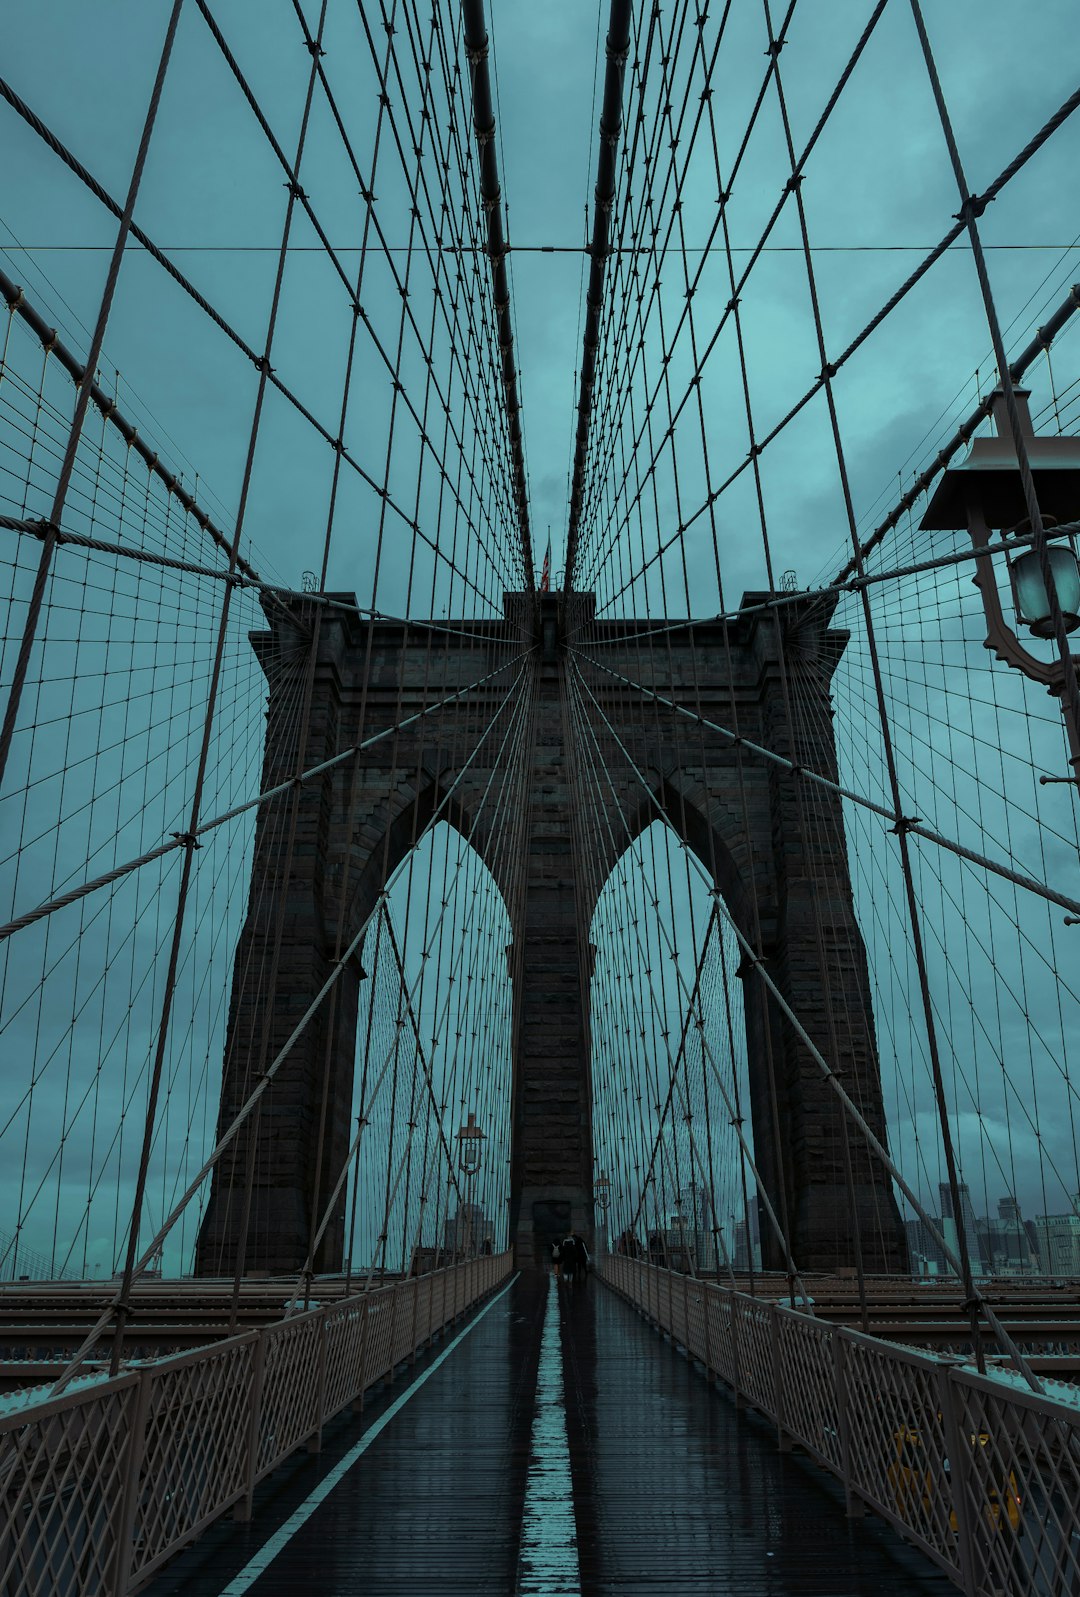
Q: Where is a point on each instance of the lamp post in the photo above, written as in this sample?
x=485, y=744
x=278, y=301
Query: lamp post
x=602, y=1200
x=984, y=493
x=470, y=1141
x=680, y=1221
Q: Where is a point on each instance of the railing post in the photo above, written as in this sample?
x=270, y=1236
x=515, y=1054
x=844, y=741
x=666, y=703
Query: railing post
x=959, y=1456
x=242, y=1511
x=736, y=1348
x=778, y=1379
x=391, y=1343
x=705, y=1288
x=854, y=1507
x=358, y=1400
x=315, y=1439
x=125, y=1526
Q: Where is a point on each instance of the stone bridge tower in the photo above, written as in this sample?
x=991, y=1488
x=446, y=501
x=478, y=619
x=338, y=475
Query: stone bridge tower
x=778, y=858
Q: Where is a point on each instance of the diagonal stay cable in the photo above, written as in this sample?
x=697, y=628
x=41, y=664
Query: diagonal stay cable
x=763, y=1194
x=60, y=149
x=907, y=823
x=755, y=255
x=303, y=200
x=950, y=238
x=47, y=336
x=186, y=840
x=82, y=402
x=257, y=1093
x=850, y=1107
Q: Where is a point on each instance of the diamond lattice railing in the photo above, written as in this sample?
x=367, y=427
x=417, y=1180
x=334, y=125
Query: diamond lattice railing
x=195, y=1447
x=64, y=1469
x=99, y=1486
x=979, y=1472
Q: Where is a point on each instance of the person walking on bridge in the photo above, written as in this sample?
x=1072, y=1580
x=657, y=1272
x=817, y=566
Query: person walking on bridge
x=581, y=1254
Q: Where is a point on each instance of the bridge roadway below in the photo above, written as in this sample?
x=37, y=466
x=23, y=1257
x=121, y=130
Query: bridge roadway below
x=557, y=1445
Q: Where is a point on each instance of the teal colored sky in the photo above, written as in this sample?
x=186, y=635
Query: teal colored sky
x=878, y=194
x=878, y=178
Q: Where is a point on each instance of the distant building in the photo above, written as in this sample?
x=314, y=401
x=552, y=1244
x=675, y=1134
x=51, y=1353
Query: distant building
x=1006, y=1242
x=747, y=1257
x=1058, y=1240
x=468, y=1232
x=925, y=1251
x=950, y=1229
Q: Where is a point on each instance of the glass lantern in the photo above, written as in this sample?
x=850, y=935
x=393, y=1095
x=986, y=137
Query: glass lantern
x=1029, y=589
x=471, y=1141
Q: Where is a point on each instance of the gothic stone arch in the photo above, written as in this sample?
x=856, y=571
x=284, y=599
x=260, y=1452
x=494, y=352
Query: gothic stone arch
x=765, y=844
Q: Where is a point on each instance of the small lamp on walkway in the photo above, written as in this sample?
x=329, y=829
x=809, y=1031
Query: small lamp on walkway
x=602, y=1200
x=985, y=493
x=470, y=1141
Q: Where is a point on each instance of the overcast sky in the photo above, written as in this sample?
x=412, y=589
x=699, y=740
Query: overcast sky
x=878, y=194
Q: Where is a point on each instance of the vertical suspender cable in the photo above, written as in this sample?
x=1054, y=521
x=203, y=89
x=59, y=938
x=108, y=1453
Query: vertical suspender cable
x=476, y=46
x=82, y=402
x=618, y=45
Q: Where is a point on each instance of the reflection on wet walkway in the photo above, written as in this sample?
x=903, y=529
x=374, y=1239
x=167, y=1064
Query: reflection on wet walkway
x=671, y=1492
x=677, y=1493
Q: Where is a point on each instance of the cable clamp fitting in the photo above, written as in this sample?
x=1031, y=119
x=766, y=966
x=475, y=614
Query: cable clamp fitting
x=972, y=208
x=904, y=823
x=793, y=182
x=295, y=190
x=186, y=839
x=314, y=48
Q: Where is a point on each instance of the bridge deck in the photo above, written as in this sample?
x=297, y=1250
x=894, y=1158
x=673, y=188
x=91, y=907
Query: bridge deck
x=646, y=1482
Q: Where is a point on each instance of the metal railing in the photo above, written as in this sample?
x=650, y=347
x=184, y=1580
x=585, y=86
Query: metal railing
x=981, y=1474
x=99, y=1486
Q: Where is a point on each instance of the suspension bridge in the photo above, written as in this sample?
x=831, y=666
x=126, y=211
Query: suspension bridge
x=540, y=722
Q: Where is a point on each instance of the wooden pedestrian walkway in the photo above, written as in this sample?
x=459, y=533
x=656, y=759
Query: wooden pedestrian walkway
x=557, y=1447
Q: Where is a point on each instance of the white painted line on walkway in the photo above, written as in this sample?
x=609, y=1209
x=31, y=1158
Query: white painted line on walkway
x=300, y=1516
x=549, y=1564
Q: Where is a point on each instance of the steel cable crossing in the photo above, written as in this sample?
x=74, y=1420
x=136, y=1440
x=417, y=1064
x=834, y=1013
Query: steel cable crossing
x=641, y=460
x=474, y=523
x=623, y=490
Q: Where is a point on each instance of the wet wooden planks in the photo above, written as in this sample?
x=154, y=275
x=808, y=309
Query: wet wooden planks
x=674, y=1492
x=678, y=1494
